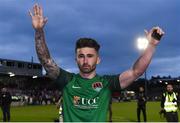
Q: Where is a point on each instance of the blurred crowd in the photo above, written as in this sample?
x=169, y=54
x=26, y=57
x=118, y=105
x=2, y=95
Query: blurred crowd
x=34, y=97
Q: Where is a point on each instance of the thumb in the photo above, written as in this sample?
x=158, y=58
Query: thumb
x=45, y=20
x=30, y=14
x=146, y=32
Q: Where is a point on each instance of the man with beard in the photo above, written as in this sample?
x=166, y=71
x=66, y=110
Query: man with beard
x=86, y=95
x=169, y=104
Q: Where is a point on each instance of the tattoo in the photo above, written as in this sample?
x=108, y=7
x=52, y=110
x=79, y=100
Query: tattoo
x=47, y=62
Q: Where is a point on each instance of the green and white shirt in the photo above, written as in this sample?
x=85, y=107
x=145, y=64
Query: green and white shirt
x=86, y=100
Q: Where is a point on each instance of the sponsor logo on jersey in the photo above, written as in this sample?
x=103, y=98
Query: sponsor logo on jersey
x=97, y=86
x=85, y=103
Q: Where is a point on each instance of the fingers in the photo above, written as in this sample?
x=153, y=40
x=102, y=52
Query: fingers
x=159, y=30
x=30, y=13
x=40, y=11
x=45, y=20
x=146, y=32
x=37, y=10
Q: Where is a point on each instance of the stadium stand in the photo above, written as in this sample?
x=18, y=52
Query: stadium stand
x=27, y=83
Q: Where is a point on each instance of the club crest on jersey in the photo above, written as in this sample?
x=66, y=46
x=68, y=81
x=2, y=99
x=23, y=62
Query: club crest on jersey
x=76, y=100
x=97, y=86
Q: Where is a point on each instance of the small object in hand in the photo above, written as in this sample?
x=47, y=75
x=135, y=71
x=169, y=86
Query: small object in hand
x=156, y=36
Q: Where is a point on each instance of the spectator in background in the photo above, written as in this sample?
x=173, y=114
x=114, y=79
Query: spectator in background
x=110, y=110
x=60, y=107
x=5, y=99
x=169, y=104
x=141, y=104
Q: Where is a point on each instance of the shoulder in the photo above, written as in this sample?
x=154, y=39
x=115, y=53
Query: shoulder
x=164, y=94
x=64, y=74
x=111, y=77
x=63, y=71
x=176, y=93
x=113, y=81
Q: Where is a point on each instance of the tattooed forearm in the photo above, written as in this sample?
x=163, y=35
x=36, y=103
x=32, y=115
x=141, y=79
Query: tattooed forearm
x=44, y=56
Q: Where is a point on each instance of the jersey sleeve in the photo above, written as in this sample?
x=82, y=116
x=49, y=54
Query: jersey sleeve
x=114, y=83
x=63, y=78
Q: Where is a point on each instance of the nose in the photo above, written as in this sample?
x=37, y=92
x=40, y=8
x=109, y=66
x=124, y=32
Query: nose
x=85, y=60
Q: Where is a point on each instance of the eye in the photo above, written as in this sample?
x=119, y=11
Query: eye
x=80, y=56
x=90, y=55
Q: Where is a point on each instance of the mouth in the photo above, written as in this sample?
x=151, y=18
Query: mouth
x=85, y=66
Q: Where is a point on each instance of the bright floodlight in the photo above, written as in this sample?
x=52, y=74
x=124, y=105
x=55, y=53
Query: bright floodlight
x=11, y=75
x=142, y=43
x=34, y=77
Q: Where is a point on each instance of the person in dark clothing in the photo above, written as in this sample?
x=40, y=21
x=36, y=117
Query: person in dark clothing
x=110, y=110
x=170, y=104
x=5, y=99
x=141, y=104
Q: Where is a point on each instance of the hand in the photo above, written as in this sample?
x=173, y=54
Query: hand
x=38, y=20
x=57, y=106
x=162, y=109
x=150, y=38
x=144, y=99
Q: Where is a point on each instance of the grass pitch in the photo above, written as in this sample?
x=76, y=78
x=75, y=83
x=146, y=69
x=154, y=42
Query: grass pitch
x=122, y=112
x=126, y=112
x=47, y=113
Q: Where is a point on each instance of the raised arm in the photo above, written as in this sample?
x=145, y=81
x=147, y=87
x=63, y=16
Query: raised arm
x=139, y=67
x=38, y=23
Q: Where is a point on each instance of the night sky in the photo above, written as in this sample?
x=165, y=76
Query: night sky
x=115, y=24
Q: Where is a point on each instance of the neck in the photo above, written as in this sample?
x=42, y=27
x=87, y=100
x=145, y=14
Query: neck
x=88, y=75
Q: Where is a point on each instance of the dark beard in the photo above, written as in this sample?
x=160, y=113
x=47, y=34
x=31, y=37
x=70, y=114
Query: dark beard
x=87, y=71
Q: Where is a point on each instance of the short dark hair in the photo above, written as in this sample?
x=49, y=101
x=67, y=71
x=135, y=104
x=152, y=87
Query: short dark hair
x=87, y=42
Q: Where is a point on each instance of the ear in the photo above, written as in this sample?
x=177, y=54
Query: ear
x=98, y=60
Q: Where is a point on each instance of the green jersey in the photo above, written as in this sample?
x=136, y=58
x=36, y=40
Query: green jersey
x=86, y=100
